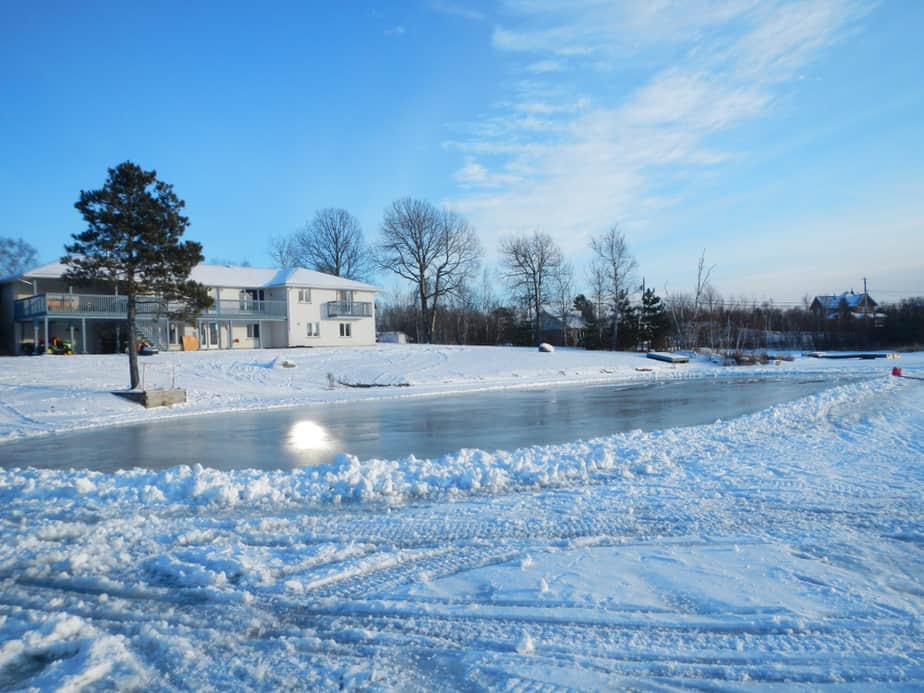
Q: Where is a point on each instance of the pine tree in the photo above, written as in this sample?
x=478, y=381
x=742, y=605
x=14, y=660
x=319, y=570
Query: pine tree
x=591, y=327
x=132, y=241
x=653, y=323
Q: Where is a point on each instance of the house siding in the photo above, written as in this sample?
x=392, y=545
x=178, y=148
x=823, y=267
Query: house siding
x=222, y=327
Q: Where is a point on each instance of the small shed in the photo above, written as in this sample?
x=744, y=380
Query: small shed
x=392, y=338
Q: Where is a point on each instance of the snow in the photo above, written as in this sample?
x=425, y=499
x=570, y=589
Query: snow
x=231, y=276
x=783, y=548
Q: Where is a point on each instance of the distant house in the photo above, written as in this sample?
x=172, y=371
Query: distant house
x=392, y=337
x=551, y=325
x=861, y=306
x=252, y=308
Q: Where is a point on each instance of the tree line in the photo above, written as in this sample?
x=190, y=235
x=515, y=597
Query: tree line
x=451, y=298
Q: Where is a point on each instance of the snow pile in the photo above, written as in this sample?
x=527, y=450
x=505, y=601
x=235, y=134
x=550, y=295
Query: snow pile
x=348, y=479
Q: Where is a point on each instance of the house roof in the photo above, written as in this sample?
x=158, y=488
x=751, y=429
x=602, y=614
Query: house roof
x=232, y=276
x=849, y=298
x=575, y=319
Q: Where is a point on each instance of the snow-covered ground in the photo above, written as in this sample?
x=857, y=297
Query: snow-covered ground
x=783, y=548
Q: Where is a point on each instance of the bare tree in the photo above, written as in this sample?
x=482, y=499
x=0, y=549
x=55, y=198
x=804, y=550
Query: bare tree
x=702, y=286
x=16, y=256
x=685, y=310
x=529, y=262
x=598, y=292
x=614, y=259
x=563, y=296
x=332, y=242
x=437, y=250
x=283, y=251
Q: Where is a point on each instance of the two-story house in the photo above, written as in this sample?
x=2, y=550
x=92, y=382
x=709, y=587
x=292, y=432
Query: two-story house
x=845, y=304
x=252, y=308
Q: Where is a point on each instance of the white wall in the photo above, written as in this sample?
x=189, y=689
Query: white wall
x=301, y=314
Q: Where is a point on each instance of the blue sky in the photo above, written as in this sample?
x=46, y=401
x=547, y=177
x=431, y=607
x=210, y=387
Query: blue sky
x=785, y=139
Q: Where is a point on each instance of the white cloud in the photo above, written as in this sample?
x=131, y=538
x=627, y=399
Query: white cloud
x=395, y=31
x=474, y=175
x=576, y=169
x=543, y=66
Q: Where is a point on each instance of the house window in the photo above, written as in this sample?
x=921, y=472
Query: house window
x=345, y=295
x=249, y=298
x=173, y=334
x=304, y=295
x=253, y=330
x=346, y=329
x=314, y=329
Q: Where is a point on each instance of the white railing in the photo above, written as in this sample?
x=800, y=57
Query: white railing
x=246, y=307
x=349, y=309
x=117, y=306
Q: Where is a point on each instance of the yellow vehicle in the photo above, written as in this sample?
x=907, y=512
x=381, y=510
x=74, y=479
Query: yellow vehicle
x=60, y=347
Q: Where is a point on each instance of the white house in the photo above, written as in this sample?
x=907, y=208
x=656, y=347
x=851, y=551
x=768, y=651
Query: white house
x=253, y=308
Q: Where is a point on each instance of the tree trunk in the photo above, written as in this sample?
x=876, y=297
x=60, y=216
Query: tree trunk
x=424, y=335
x=132, y=344
x=431, y=329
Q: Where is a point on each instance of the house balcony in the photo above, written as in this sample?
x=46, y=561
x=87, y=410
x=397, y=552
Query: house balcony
x=246, y=308
x=349, y=309
x=116, y=307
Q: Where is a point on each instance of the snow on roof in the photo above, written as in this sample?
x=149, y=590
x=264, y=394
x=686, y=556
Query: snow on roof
x=232, y=276
x=51, y=270
x=575, y=319
x=849, y=297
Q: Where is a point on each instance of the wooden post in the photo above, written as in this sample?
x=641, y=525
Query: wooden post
x=46, y=333
x=83, y=331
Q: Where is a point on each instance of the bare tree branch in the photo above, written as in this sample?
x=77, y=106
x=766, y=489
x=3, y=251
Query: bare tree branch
x=435, y=249
x=529, y=261
x=16, y=256
x=332, y=242
x=617, y=263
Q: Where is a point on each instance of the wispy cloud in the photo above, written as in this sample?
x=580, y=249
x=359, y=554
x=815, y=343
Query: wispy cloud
x=550, y=158
x=396, y=31
x=541, y=66
x=456, y=10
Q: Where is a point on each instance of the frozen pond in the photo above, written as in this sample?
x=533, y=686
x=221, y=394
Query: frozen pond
x=396, y=428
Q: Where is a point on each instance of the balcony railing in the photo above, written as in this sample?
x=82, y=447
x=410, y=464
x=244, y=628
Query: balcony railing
x=248, y=308
x=97, y=305
x=349, y=309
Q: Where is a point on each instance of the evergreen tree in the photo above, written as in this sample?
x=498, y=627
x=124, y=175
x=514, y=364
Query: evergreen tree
x=132, y=241
x=653, y=321
x=591, y=327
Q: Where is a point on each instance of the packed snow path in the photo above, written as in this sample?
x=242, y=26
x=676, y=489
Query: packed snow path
x=780, y=548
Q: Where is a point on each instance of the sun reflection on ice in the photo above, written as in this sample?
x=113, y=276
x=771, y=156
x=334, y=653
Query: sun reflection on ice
x=307, y=435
